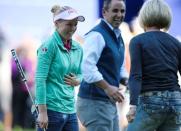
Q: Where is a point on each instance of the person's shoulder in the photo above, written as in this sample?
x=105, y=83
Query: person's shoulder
x=76, y=44
x=137, y=37
x=47, y=43
x=142, y=36
x=93, y=36
x=176, y=41
x=93, y=33
x=96, y=30
x=173, y=38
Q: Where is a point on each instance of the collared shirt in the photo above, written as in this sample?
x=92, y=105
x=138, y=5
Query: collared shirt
x=115, y=30
x=92, y=48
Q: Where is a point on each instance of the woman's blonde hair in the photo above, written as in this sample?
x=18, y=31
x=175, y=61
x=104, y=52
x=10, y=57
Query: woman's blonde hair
x=56, y=9
x=155, y=13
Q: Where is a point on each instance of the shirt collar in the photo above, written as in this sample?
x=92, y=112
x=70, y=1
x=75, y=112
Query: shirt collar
x=60, y=42
x=117, y=31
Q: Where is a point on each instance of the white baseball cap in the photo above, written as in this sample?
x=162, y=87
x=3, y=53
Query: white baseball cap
x=69, y=14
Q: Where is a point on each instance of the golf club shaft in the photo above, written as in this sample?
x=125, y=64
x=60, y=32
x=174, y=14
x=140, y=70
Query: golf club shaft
x=18, y=64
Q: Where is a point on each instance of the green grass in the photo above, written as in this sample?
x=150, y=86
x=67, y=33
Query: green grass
x=16, y=128
x=20, y=129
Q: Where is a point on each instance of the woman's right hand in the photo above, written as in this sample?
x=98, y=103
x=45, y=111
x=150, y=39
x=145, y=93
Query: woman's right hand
x=71, y=80
x=42, y=119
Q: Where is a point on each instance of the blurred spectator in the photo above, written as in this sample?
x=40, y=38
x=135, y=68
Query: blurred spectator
x=124, y=106
x=21, y=108
x=135, y=27
x=5, y=83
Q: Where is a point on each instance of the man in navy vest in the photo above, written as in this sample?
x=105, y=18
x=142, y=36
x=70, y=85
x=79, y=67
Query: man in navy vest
x=102, y=68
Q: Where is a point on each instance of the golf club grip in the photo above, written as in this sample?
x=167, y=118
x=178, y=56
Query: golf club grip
x=15, y=57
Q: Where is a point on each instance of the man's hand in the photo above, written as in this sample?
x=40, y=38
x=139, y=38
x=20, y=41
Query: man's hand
x=131, y=114
x=114, y=93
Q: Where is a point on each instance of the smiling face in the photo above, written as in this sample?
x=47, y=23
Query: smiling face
x=66, y=28
x=115, y=13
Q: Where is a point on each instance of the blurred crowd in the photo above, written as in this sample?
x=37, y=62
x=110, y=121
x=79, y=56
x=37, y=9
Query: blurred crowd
x=15, y=104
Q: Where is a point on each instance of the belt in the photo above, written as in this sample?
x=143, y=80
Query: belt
x=161, y=93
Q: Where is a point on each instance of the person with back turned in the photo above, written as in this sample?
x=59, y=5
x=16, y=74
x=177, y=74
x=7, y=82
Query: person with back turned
x=155, y=95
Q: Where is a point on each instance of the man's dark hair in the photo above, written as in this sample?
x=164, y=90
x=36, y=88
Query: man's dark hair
x=107, y=3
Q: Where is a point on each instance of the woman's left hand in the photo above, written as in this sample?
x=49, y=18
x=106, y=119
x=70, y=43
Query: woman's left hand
x=71, y=80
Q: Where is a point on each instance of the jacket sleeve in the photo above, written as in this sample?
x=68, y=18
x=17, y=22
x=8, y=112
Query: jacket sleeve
x=135, y=78
x=44, y=58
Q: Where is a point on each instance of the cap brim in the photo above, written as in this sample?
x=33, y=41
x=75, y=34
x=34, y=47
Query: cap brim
x=67, y=15
x=81, y=18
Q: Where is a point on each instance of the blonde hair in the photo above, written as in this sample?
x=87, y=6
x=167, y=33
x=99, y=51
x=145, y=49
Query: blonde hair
x=155, y=13
x=56, y=9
